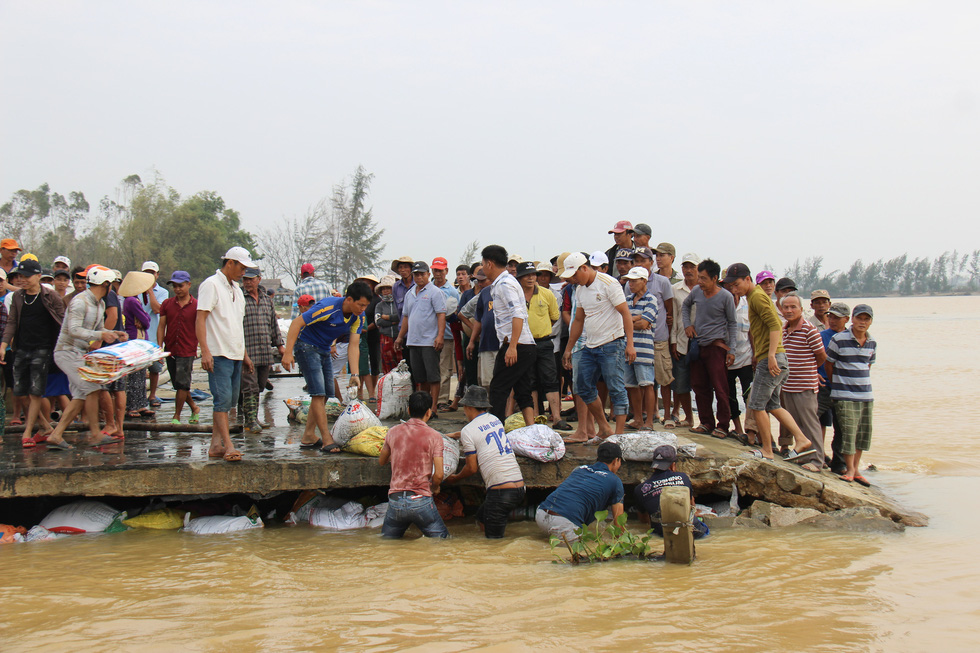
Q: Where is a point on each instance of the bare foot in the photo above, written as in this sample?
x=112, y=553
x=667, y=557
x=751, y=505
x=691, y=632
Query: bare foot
x=216, y=453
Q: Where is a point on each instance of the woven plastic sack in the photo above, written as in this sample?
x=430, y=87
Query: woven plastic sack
x=166, y=519
x=537, y=442
x=9, y=534
x=349, y=516
x=307, y=502
x=355, y=418
x=41, y=534
x=218, y=524
x=80, y=517
x=516, y=421
x=640, y=445
x=394, y=389
x=450, y=456
x=368, y=442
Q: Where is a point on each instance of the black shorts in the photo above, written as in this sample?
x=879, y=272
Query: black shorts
x=31, y=371
x=180, y=369
x=544, y=374
x=496, y=508
x=424, y=362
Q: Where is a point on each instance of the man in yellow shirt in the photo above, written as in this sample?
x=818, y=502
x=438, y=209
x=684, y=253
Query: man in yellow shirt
x=542, y=313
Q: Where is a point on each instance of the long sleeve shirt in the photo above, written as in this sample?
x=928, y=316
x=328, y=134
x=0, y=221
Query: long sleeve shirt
x=715, y=318
x=84, y=320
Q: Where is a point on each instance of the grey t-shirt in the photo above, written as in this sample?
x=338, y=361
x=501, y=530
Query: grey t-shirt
x=715, y=317
x=659, y=286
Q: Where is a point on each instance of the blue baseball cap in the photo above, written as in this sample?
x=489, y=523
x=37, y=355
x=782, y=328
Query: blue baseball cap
x=180, y=277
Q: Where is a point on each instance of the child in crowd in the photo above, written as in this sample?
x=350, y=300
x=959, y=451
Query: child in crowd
x=640, y=374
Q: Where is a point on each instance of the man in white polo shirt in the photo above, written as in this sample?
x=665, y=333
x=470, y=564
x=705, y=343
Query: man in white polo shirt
x=221, y=335
x=601, y=309
x=517, y=354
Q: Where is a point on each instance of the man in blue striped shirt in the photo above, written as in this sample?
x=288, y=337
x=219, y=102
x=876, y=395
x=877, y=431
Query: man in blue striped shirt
x=640, y=374
x=850, y=355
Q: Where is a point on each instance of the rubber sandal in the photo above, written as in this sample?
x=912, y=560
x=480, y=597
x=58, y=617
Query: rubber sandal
x=16, y=422
x=846, y=478
x=719, y=433
x=59, y=446
x=741, y=437
x=28, y=442
x=311, y=445
x=757, y=453
x=670, y=424
x=860, y=480
x=333, y=447
x=195, y=418
x=216, y=455
x=796, y=455
x=105, y=442
x=701, y=430
x=146, y=413
x=40, y=438
x=155, y=403
x=174, y=422
x=595, y=442
x=233, y=457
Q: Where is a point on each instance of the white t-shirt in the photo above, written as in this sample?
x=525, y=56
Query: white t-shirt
x=508, y=303
x=603, y=323
x=485, y=437
x=225, y=327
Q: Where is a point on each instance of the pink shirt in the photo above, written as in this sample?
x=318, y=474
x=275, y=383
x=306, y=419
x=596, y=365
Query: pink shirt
x=413, y=446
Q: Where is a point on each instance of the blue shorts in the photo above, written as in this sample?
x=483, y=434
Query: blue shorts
x=682, y=375
x=607, y=361
x=640, y=375
x=225, y=383
x=316, y=366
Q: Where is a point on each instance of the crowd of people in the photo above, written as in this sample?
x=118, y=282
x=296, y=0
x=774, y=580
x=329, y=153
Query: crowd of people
x=621, y=334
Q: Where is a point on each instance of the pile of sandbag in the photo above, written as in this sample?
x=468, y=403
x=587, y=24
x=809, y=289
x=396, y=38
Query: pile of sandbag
x=356, y=418
x=640, y=445
x=82, y=517
x=368, y=442
x=538, y=442
x=334, y=513
x=299, y=408
x=394, y=389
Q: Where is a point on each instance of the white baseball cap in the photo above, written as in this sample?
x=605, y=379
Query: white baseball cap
x=63, y=259
x=638, y=273
x=241, y=255
x=691, y=257
x=573, y=262
x=598, y=258
x=150, y=265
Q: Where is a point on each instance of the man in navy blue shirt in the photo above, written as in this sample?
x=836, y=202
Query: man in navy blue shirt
x=309, y=340
x=587, y=490
x=665, y=474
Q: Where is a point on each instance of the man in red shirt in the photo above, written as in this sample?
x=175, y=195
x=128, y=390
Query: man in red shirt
x=415, y=452
x=177, y=335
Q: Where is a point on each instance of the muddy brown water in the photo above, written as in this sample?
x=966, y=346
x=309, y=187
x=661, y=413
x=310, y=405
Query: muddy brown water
x=300, y=588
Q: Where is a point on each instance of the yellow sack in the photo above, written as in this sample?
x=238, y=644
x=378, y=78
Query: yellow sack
x=368, y=442
x=163, y=520
x=516, y=421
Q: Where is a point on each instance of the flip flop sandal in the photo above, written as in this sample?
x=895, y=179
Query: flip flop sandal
x=233, y=457
x=796, y=455
x=195, y=418
x=741, y=437
x=40, y=437
x=16, y=422
x=719, y=433
x=595, y=442
x=846, y=478
x=175, y=422
x=575, y=441
x=701, y=430
x=28, y=442
x=311, y=445
x=59, y=446
x=860, y=480
x=147, y=413
x=332, y=448
x=810, y=467
x=216, y=455
x=757, y=453
x=670, y=424
x=155, y=403
x=105, y=442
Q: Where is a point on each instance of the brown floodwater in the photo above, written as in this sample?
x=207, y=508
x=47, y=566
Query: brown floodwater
x=794, y=589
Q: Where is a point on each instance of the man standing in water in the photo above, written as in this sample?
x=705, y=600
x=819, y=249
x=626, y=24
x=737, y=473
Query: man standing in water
x=415, y=451
x=488, y=451
x=221, y=335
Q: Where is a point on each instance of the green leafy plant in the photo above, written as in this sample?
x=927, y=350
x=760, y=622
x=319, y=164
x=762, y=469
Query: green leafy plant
x=601, y=542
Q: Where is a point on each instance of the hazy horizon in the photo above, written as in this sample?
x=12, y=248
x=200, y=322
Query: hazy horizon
x=763, y=132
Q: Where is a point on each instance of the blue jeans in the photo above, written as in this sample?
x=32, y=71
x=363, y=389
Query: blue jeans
x=407, y=508
x=316, y=366
x=609, y=362
x=225, y=383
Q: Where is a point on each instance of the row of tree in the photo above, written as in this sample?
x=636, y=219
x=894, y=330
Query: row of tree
x=152, y=221
x=948, y=272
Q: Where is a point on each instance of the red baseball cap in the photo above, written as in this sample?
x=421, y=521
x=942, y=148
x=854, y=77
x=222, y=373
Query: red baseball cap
x=439, y=263
x=306, y=268
x=305, y=300
x=621, y=226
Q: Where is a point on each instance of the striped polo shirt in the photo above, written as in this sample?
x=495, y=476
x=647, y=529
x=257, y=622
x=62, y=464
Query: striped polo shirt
x=802, y=347
x=647, y=308
x=852, y=367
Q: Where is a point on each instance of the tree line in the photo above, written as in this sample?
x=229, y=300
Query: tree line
x=150, y=220
x=948, y=272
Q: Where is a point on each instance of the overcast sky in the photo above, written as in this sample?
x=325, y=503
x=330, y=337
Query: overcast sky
x=759, y=131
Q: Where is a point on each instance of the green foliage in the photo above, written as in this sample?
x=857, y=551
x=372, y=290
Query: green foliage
x=603, y=542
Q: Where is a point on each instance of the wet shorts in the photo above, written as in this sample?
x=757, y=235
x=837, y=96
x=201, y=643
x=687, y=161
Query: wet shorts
x=180, y=369
x=31, y=372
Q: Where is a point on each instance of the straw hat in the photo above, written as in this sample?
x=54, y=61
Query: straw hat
x=401, y=259
x=136, y=283
x=387, y=281
x=368, y=277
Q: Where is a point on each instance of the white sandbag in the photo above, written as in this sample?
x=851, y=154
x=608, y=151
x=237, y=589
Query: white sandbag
x=450, y=456
x=40, y=534
x=640, y=445
x=375, y=515
x=538, y=442
x=218, y=524
x=80, y=517
x=347, y=517
x=355, y=418
x=307, y=502
x=394, y=389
